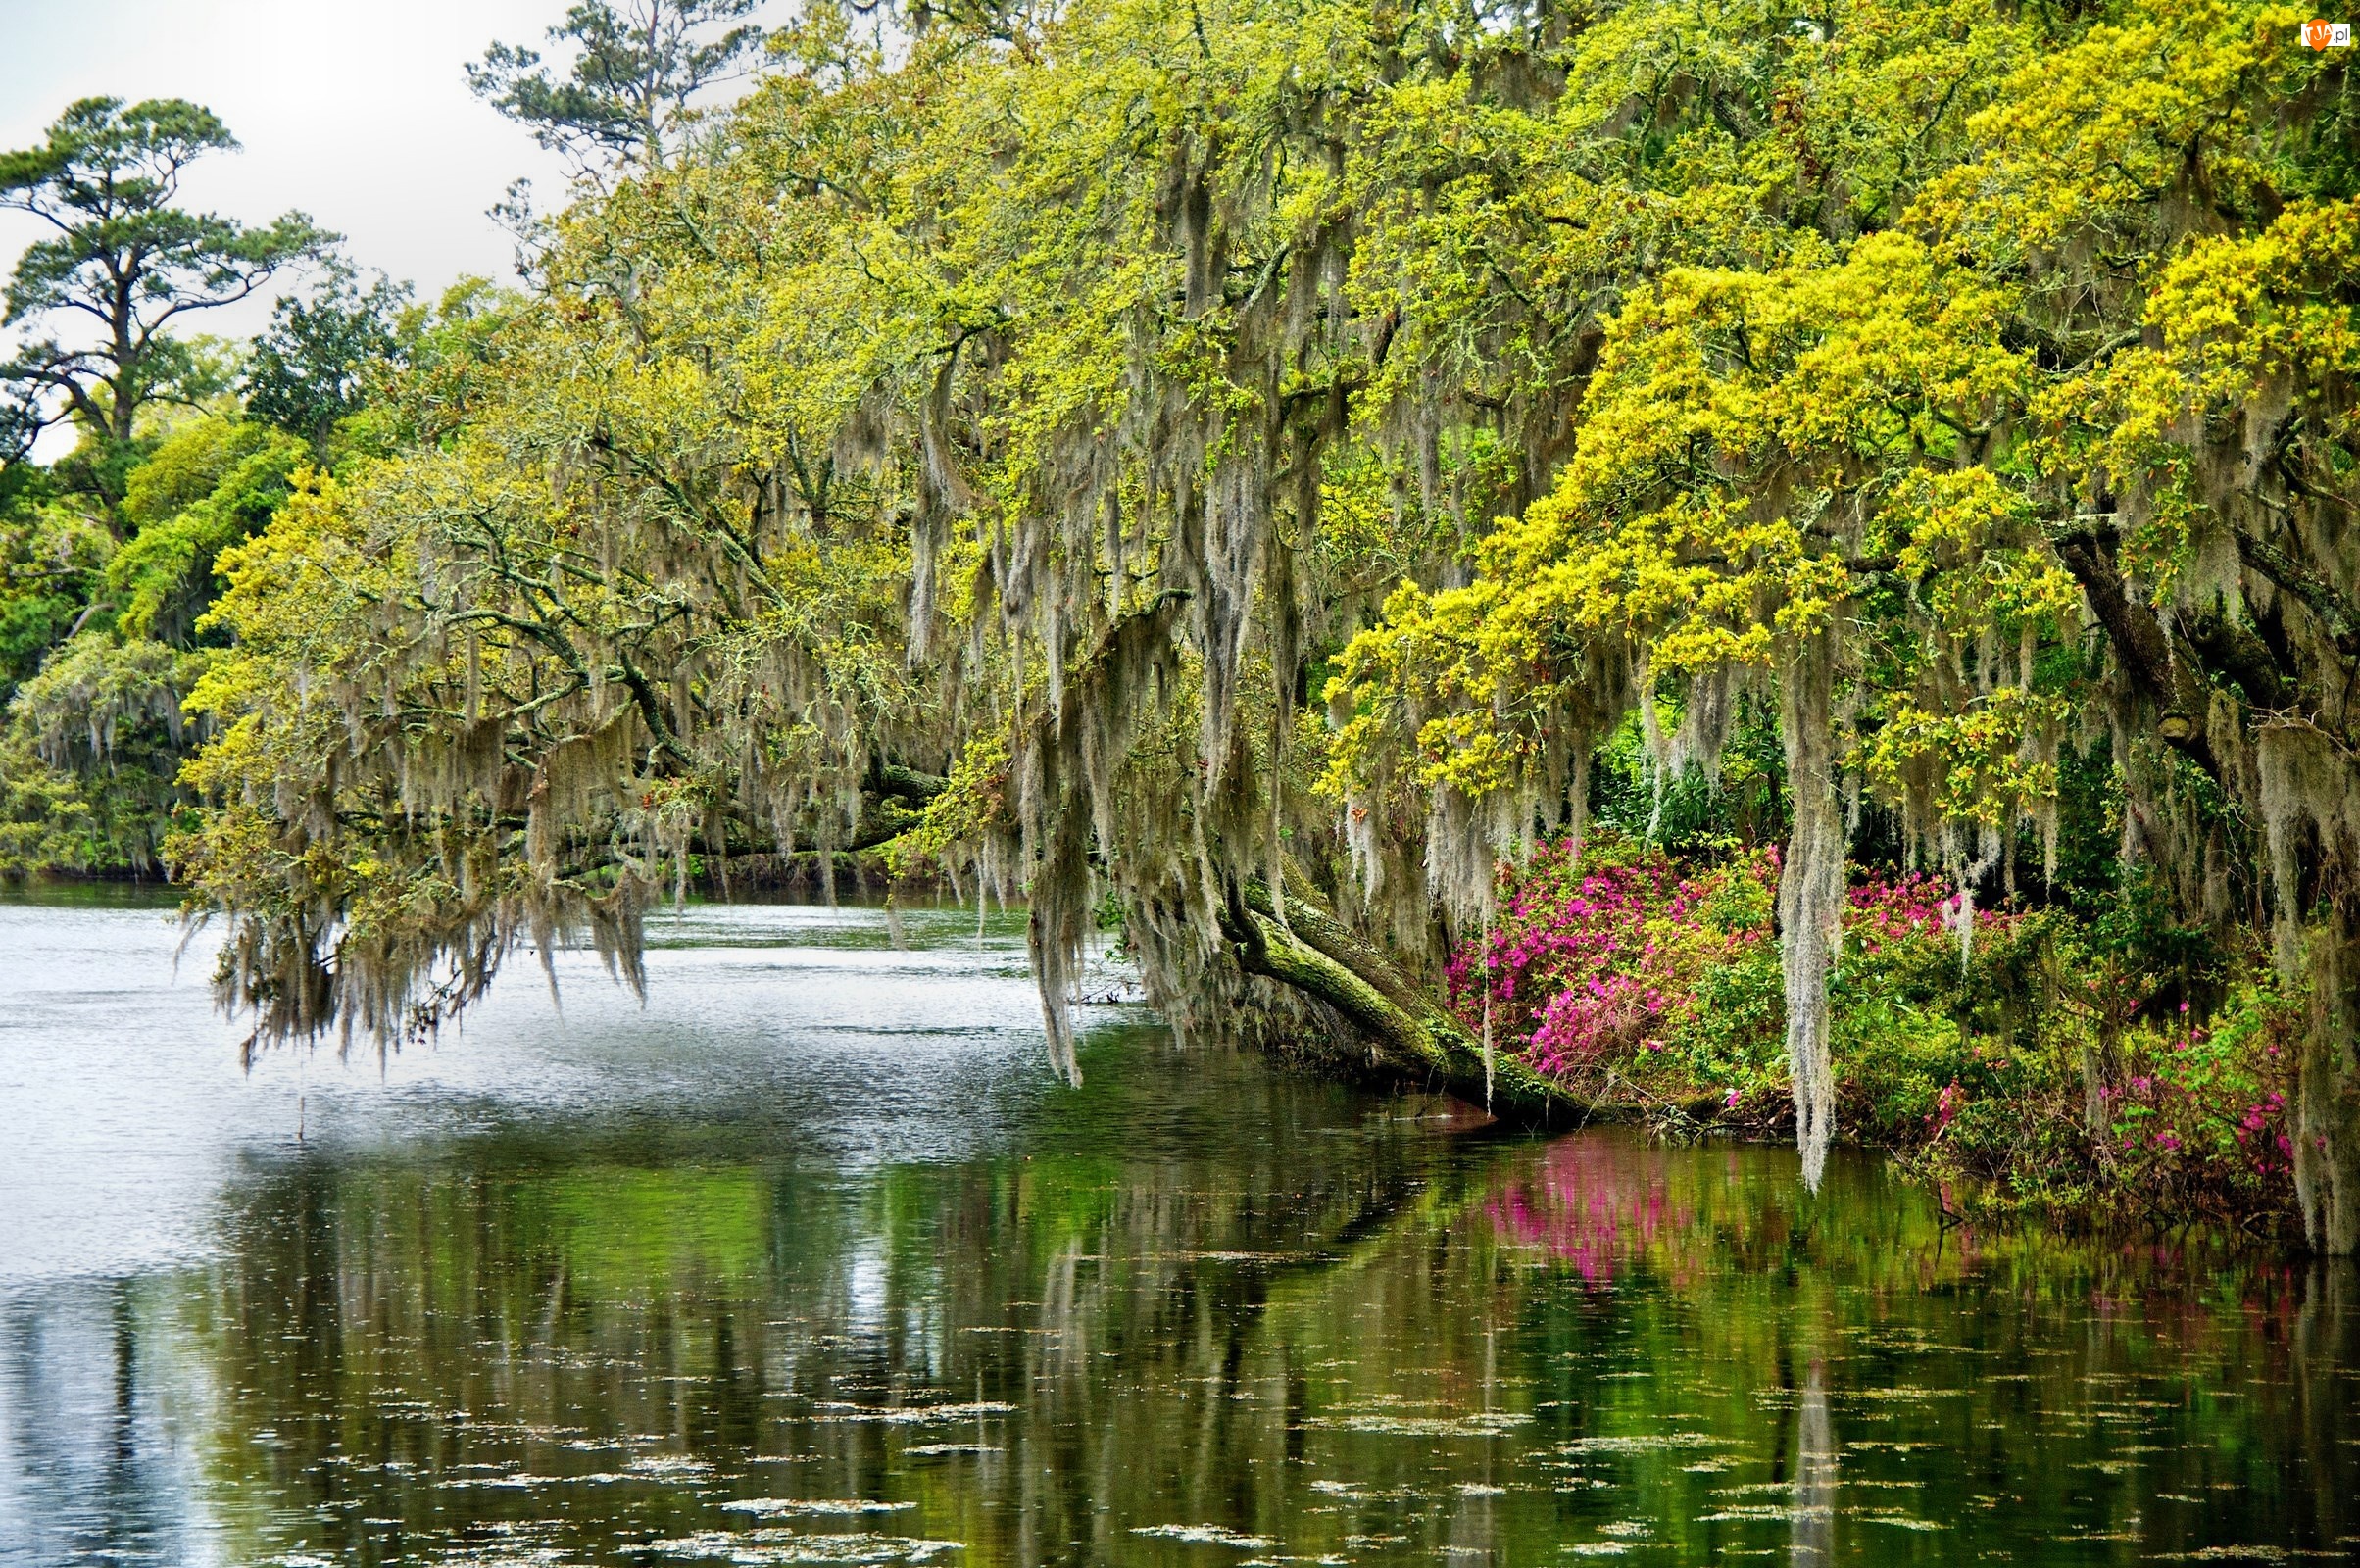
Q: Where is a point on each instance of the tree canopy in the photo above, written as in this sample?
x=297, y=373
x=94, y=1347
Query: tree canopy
x=314, y=367
x=628, y=85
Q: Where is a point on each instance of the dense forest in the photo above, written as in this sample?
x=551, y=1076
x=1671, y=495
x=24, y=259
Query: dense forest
x=1743, y=565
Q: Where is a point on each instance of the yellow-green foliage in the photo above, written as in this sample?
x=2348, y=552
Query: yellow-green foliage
x=210, y=485
x=1890, y=430
x=1069, y=397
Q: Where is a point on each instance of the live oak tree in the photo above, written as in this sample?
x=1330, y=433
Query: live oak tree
x=2062, y=449
x=1000, y=449
x=122, y=267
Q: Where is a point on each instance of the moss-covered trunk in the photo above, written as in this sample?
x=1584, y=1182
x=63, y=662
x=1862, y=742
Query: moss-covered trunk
x=1405, y=1032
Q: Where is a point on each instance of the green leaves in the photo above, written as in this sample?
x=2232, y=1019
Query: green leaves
x=210, y=486
x=314, y=364
x=1062, y=402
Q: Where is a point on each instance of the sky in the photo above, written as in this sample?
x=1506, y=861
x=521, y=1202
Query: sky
x=356, y=112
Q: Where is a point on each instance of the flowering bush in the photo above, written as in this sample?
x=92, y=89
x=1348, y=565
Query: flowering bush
x=2198, y=1115
x=1915, y=906
x=1595, y=958
x=2012, y=1059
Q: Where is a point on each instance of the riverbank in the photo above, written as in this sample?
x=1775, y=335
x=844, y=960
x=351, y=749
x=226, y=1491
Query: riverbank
x=2026, y=1064
x=2092, y=1072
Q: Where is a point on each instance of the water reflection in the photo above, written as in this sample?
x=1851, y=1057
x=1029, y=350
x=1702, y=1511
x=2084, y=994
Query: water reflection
x=1201, y=1312
x=83, y=1466
x=1813, y=1538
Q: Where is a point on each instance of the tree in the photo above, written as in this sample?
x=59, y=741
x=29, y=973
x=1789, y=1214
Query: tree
x=2057, y=454
x=92, y=743
x=1969, y=386
x=312, y=367
x=634, y=72
x=125, y=259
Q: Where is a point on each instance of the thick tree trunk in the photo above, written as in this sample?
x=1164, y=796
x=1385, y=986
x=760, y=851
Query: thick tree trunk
x=1409, y=1035
x=1810, y=891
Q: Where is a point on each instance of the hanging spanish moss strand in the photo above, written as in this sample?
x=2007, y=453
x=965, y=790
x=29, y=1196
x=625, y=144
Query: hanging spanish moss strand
x=1810, y=888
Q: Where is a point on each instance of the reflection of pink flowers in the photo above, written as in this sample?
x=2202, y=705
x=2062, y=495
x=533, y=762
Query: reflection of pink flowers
x=1593, y=1205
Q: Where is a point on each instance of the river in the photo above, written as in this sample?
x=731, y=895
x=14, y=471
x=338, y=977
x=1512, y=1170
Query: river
x=808, y=1261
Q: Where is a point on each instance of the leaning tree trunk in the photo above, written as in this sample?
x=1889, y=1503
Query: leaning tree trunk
x=1409, y=1035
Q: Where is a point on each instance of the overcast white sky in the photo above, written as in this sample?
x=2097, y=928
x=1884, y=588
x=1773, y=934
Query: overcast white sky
x=354, y=110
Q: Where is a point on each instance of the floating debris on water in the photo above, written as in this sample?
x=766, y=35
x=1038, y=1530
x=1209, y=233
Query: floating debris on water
x=1644, y=1443
x=760, y=1547
x=515, y=1481
x=1484, y=1424
x=1206, y=1535
x=911, y=1414
x=1741, y=1512
x=779, y=1507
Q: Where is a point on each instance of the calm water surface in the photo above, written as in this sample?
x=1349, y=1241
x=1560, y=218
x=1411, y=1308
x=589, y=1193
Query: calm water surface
x=809, y=1262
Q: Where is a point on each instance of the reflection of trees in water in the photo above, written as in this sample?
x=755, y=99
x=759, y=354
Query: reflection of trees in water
x=391, y=1324
x=2325, y=1388
x=2025, y=1361
x=89, y=1470
x=1597, y=1205
x=1194, y=1338
x=1811, y=1532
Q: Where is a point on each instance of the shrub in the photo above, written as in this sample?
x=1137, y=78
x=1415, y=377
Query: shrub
x=1595, y=958
x=2008, y=1057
